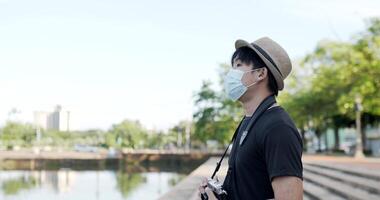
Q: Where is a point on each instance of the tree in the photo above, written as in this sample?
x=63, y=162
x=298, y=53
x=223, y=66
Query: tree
x=216, y=116
x=14, y=133
x=341, y=71
x=127, y=134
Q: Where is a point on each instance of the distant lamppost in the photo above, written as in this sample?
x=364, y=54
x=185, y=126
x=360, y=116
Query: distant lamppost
x=359, y=142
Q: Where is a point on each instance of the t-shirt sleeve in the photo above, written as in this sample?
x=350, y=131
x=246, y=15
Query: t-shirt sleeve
x=283, y=151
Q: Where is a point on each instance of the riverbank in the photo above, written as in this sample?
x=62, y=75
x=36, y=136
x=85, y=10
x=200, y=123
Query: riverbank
x=102, y=154
x=124, y=160
x=187, y=188
x=52, y=155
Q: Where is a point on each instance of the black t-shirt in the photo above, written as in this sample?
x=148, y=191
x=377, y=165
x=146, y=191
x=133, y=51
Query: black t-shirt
x=272, y=148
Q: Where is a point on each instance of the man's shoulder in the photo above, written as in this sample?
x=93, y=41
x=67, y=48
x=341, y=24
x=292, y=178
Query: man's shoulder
x=275, y=116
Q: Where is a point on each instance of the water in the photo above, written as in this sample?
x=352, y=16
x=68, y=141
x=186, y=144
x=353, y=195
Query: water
x=70, y=184
x=132, y=183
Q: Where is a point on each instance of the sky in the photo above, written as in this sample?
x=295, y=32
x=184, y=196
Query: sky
x=105, y=61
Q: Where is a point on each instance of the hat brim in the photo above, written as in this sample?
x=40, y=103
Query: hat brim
x=277, y=76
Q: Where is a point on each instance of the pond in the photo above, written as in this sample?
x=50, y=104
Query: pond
x=110, y=182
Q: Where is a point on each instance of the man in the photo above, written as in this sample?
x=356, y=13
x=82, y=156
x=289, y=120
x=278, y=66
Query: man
x=265, y=160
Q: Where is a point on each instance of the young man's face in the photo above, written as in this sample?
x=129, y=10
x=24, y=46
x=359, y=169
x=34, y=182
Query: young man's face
x=249, y=77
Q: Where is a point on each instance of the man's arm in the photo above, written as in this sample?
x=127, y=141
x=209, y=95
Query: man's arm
x=287, y=187
x=283, y=152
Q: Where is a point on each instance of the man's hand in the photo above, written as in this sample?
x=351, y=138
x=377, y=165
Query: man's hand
x=287, y=187
x=202, y=186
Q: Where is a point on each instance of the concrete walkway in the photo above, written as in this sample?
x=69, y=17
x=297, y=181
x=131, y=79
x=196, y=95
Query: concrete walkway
x=187, y=188
x=325, y=177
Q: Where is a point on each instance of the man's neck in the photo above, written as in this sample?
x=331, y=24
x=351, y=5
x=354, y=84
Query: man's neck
x=253, y=103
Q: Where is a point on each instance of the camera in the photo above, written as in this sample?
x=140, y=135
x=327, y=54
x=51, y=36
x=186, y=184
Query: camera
x=216, y=186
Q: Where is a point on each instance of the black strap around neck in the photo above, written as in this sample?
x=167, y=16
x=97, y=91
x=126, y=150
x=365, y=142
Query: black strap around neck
x=264, y=105
x=225, y=151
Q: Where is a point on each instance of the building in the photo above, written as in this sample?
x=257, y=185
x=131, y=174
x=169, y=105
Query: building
x=57, y=120
x=373, y=140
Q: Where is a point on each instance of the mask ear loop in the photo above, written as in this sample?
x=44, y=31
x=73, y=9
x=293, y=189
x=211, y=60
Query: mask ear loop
x=252, y=84
x=255, y=81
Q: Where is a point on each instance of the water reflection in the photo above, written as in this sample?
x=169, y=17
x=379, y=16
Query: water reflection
x=125, y=182
x=14, y=186
x=69, y=184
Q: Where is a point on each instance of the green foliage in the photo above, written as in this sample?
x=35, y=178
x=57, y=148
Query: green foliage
x=320, y=93
x=127, y=134
x=14, y=133
x=342, y=71
x=14, y=186
x=216, y=116
x=128, y=182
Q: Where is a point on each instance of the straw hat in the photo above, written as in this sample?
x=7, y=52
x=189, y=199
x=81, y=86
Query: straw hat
x=273, y=55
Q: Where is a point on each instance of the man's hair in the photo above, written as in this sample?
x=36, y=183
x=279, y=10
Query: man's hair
x=249, y=56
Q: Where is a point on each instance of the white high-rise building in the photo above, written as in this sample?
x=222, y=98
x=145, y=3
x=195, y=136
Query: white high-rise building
x=56, y=120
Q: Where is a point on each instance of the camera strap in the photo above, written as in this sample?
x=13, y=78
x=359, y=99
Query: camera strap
x=267, y=103
x=225, y=151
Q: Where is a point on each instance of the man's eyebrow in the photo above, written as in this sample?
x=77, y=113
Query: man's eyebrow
x=237, y=62
x=236, y=59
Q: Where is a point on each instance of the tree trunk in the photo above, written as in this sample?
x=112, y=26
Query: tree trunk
x=336, y=137
x=359, y=143
x=317, y=132
x=326, y=142
x=364, y=136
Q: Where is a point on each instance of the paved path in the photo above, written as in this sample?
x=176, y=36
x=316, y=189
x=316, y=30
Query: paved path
x=325, y=177
x=187, y=188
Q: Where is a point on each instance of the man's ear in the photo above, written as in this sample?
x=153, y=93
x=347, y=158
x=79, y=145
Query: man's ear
x=263, y=73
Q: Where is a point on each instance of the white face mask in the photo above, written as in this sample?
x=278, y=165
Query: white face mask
x=233, y=85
